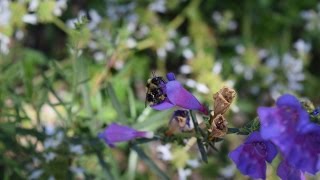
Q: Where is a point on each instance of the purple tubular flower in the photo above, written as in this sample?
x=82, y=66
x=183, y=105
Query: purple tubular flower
x=287, y=172
x=115, y=133
x=283, y=121
x=304, y=152
x=251, y=156
x=177, y=95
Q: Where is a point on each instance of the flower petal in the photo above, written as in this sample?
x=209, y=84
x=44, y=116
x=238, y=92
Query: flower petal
x=288, y=100
x=115, y=133
x=304, y=153
x=251, y=156
x=178, y=95
x=248, y=164
x=171, y=77
x=163, y=106
x=286, y=172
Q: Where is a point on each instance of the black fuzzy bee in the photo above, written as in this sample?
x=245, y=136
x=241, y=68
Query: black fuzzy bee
x=155, y=94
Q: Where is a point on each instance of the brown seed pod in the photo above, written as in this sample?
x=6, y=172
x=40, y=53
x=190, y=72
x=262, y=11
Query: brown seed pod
x=218, y=127
x=223, y=100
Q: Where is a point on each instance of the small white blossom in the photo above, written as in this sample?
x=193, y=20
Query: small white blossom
x=162, y=53
x=36, y=174
x=33, y=5
x=5, y=13
x=185, y=69
x=302, y=47
x=184, y=41
x=217, y=68
x=187, y=53
x=184, y=173
x=191, y=83
x=202, y=88
x=49, y=156
x=77, y=149
x=4, y=44
x=131, y=43
x=99, y=56
x=30, y=18
x=59, y=7
x=158, y=6
x=164, y=152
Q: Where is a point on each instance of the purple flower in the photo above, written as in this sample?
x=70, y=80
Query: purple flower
x=282, y=122
x=251, y=156
x=180, y=121
x=316, y=111
x=115, y=133
x=287, y=125
x=177, y=95
x=304, y=152
x=287, y=172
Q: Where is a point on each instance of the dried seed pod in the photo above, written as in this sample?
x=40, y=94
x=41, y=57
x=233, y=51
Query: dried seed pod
x=223, y=100
x=218, y=127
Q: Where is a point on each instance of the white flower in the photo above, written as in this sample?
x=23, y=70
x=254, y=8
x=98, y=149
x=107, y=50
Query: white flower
x=95, y=19
x=49, y=156
x=59, y=7
x=240, y=49
x=191, y=83
x=77, y=149
x=202, y=88
x=187, y=53
x=164, y=152
x=99, y=56
x=131, y=43
x=217, y=68
x=228, y=171
x=184, y=41
x=162, y=53
x=185, y=69
x=169, y=46
x=194, y=163
x=36, y=174
x=30, y=19
x=158, y=6
x=5, y=13
x=78, y=171
x=302, y=47
x=4, y=44
x=33, y=5
x=184, y=173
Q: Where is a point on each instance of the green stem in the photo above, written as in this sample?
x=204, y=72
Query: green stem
x=199, y=141
x=60, y=24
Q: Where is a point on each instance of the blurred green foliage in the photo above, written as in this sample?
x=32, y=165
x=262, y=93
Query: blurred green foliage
x=83, y=64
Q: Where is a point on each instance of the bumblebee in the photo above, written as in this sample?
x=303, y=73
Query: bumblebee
x=155, y=94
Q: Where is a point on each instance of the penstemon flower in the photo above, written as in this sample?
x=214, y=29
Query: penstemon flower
x=286, y=172
x=287, y=125
x=115, y=133
x=304, y=151
x=284, y=121
x=251, y=156
x=180, y=121
x=177, y=95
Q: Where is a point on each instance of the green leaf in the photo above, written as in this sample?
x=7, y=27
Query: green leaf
x=45, y=11
x=116, y=104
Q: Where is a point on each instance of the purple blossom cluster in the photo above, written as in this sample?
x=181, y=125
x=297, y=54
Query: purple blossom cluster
x=287, y=127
